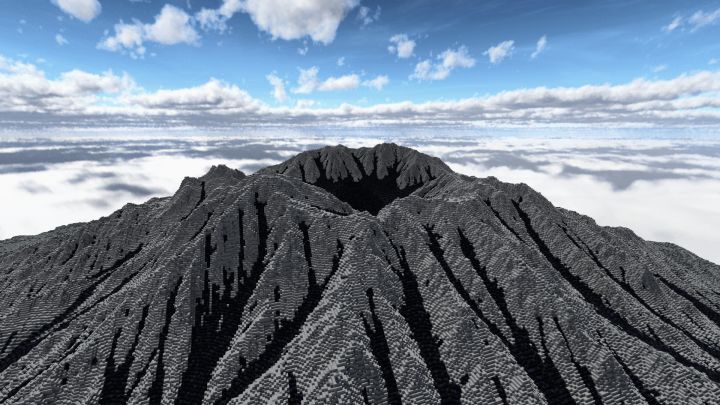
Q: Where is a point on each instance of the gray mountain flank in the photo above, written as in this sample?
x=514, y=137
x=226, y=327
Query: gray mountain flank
x=344, y=276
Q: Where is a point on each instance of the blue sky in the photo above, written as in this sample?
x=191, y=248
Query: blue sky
x=240, y=61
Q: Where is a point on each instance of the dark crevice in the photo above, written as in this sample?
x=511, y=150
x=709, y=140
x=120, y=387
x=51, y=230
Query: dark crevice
x=583, y=371
x=439, y=254
x=285, y=331
x=208, y=250
x=155, y=393
x=197, y=204
x=140, y=374
x=209, y=215
x=628, y=289
x=542, y=371
x=366, y=399
x=502, y=221
x=72, y=254
x=650, y=395
x=500, y=389
x=295, y=396
x=381, y=351
x=704, y=309
x=119, y=262
x=113, y=390
x=7, y=341
x=549, y=365
x=418, y=319
x=217, y=317
x=596, y=300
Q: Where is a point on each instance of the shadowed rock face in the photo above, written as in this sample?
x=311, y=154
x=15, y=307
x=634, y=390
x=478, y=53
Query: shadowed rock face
x=354, y=276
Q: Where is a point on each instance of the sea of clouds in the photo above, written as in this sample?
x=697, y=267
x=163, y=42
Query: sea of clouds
x=664, y=188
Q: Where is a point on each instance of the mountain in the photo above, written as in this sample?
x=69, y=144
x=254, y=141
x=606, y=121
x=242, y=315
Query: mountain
x=344, y=276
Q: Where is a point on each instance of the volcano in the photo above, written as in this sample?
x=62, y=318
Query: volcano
x=354, y=276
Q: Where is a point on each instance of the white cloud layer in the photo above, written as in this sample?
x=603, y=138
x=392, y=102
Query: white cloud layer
x=402, y=46
x=83, y=10
x=499, y=52
x=288, y=20
x=540, y=46
x=449, y=60
x=76, y=98
x=172, y=26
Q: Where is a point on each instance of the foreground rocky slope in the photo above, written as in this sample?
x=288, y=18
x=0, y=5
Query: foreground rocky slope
x=354, y=276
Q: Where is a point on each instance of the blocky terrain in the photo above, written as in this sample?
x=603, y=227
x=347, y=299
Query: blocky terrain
x=344, y=276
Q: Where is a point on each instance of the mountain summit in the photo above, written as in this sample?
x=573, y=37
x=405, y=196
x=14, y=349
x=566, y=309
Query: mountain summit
x=344, y=276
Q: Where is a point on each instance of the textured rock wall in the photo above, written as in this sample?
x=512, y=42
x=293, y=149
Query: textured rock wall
x=354, y=276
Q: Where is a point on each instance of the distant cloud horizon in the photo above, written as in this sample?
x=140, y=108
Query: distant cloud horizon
x=30, y=98
x=229, y=63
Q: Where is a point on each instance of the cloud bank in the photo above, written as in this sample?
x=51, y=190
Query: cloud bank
x=29, y=98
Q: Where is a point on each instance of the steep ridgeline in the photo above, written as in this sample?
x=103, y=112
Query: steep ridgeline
x=368, y=276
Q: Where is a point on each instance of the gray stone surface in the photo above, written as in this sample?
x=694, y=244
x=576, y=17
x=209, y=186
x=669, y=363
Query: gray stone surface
x=354, y=276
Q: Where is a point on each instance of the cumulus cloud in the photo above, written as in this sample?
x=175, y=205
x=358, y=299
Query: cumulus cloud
x=402, y=46
x=309, y=82
x=449, y=60
x=61, y=40
x=497, y=53
x=278, y=87
x=540, y=46
x=366, y=16
x=288, y=20
x=378, y=83
x=172, y=26
x=76, y=98
x=697, y=20
x=83, y=10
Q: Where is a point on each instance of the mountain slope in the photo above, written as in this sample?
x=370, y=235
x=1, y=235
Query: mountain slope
x=354, y=276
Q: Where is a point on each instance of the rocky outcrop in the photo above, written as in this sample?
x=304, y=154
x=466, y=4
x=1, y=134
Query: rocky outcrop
x=354, y=276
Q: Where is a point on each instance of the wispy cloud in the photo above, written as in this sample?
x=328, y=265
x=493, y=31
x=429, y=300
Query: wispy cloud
x=366, y=16
x=694, y=22
x=499, y=52
x=539, y=47
x=60, y=40
x=448, y=60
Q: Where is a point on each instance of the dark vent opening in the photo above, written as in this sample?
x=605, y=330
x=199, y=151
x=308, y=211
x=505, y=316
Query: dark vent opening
x=370, y=193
